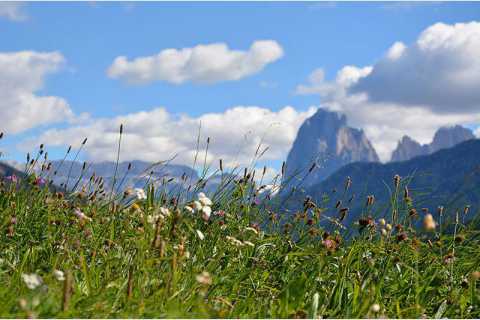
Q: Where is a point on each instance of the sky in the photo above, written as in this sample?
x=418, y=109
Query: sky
x=243, y=74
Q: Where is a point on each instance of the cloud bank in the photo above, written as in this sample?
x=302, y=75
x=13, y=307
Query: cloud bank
x=412, y=90
x=22, y=75
x=12, y=11
x=204, y=64
x=158, y=135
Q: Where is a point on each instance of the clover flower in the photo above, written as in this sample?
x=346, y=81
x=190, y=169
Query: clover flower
x=202, y=205
x=204, y=278
x=32, y=281
x=165, y=211
x=140, y=194
x=59, y=275
x=375, y=308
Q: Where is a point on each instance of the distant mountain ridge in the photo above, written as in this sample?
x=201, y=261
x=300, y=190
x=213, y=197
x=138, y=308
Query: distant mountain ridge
x=448, y=177
x=325, y=140
x=444, y=138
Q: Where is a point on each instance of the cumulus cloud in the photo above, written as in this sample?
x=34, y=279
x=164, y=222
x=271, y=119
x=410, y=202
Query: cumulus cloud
x=12, y=11
x=440, y=71
x=204, y=64
x=413, y=90
x=158, y=135
x=23, y=73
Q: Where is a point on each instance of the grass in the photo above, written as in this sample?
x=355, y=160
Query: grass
x=151, y=256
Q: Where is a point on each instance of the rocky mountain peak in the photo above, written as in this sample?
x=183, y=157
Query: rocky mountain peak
x=445, y=137
x=325, y=139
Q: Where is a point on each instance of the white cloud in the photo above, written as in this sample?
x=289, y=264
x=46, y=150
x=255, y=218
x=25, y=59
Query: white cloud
x=477, y=132
x=22, y=74
x=201, y=64
x=440, y=71
x=158, y=135
x=383, y=123
x=12, y=11
x=402, y=93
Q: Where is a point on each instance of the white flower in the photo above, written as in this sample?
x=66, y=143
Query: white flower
x=207, y=211
x=375, y=307
x=200, y=235
x=189, y=209
x=32, y=280
x=81, y=215
x=154, y=218
x=59, y=275
x=198, y=205
x=204, y=278
x=140, y=194
x=165, y=211
x=204, y=199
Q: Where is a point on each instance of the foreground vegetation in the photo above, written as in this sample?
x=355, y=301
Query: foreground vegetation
x=148, y=252
x=133, y=256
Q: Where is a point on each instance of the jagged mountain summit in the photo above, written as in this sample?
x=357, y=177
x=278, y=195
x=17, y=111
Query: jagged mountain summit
x=444, y=138
x=326, y=140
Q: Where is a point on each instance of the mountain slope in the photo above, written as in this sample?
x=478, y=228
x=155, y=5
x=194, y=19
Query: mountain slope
x=449, y=178
x=325, y=139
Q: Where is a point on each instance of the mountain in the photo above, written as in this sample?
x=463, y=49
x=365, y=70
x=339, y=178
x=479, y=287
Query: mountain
x=325, y=139
x=7, y=170
x=129, y=174
x=448, y=177
x=445, y=137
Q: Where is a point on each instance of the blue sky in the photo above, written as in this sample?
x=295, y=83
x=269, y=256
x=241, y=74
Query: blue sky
x=90, y=36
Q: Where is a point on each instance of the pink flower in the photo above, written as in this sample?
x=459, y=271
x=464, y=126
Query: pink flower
x=39, y=181
x=13, y=178
x=220, y=213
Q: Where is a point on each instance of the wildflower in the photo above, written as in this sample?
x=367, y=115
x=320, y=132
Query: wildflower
x=189, y=209
x=448, y=258
x=204, y=200
x=384, y=232
x=59, y=275
x=402, y=237
x=80, y=215
x=428, y=222
x=375, y=308
x=476, y=275
x=200, y=235
x=382, y=221
x=204, y=278
x=329, y=244
x=140, y=194
x=198, y=205
x=165, y=211
x=388, y=227
x=206, y=211
x=136, y=207
x=39, y=181
x=152, y=219
x=219, y=213
x=32, y=280
x=13, y=178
